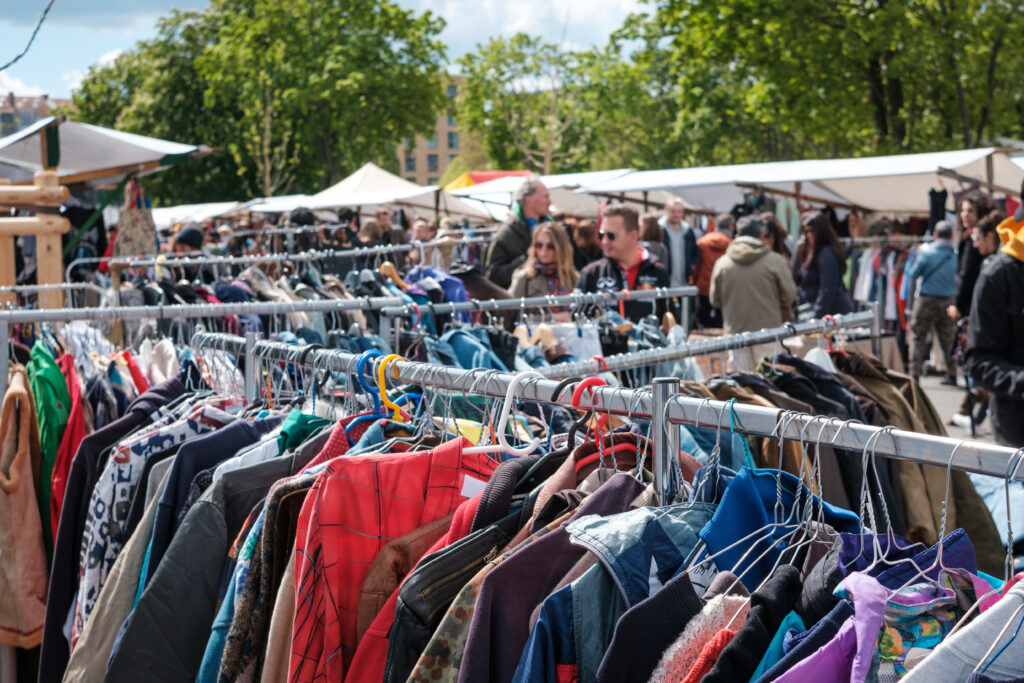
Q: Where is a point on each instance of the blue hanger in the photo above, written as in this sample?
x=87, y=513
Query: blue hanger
x=378, y=412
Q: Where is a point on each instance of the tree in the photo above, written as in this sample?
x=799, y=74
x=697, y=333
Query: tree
x=294, y=95
x=525, y=97
x=322, y=86
x=472, y=157
x=824, y=79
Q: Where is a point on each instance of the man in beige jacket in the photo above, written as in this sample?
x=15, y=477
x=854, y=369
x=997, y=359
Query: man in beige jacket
x=751, y=284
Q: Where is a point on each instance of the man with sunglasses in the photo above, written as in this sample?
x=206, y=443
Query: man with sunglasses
x=626, y=265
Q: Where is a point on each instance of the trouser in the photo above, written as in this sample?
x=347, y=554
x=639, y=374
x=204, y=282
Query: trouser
x=707, y=315
x=930, y=313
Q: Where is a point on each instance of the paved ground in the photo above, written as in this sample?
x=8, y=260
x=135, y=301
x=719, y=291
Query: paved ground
x=947, y=401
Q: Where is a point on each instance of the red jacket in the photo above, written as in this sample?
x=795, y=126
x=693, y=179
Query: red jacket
x=712, y=247
x=357, y=505
x=372, y=654
x=73, y=435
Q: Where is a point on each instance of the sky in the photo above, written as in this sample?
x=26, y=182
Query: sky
x=80, y=33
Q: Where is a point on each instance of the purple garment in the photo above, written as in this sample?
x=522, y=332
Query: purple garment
x=509, y=594
x=847, y=657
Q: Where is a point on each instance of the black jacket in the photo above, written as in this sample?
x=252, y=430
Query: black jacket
x=970, y=267
x=606, y=276
x=995, y=344
x=507, y=252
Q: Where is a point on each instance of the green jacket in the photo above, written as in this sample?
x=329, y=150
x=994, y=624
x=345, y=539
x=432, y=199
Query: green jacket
x=53, y=408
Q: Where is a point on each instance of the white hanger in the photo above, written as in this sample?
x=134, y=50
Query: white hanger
x=503, y=446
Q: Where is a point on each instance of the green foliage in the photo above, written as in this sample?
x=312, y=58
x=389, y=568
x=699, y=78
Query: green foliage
x=526, y=98
x=693, y=82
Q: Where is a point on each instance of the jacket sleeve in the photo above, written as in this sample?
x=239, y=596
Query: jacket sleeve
x=787, y=286
x=518, y=287
x=829, y=284
x=501, y=262
x=692, y=253
x=715, y=293
x=989, y=337
x=970, y=265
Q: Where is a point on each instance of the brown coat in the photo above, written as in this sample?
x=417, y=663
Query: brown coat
x=23, y=573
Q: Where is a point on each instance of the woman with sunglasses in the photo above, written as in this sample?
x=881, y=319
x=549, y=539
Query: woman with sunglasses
x=548, y=268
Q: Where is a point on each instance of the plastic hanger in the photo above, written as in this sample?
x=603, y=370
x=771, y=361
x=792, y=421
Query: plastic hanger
x=503, y=446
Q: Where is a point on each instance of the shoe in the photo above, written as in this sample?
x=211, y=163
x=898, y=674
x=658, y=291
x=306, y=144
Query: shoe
x=962, y=421
x=948, y=381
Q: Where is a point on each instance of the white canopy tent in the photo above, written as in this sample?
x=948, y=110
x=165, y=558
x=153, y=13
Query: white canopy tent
x=169, y=216
x=88, y=154
x=371, y=185
x=895, y=184
x=497, y=195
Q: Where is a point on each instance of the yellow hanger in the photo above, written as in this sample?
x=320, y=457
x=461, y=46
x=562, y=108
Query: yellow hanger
x=381, y=370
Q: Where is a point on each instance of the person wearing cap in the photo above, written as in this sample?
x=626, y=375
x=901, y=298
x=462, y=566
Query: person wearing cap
x=936, y=267
x=190, y=238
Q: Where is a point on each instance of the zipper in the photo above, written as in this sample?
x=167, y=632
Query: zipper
x=425, y=593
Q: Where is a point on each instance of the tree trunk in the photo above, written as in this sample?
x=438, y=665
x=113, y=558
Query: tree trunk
x=876, y=89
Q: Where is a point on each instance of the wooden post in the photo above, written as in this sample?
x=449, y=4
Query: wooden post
x=47, y=228
x=7, y=275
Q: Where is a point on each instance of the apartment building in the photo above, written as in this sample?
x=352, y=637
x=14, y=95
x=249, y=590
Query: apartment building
x=424, y=160
x=21, y=112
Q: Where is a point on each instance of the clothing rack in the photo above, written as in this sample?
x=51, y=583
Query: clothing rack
x=302, y=257
x=885, y=239
x=493, y=305
x=624, y=361
x=665, y=405
x=161, y=312
x=61, y=286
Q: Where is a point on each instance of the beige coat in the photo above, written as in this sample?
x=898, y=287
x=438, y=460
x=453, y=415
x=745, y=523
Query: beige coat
x=23, y=573
x=751, y=284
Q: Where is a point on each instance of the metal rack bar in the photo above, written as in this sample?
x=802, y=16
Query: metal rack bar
x=971, y=456
x=886, y=239
x=389, y=326
x=702, y=348
x=9, y=317
x=301, y=257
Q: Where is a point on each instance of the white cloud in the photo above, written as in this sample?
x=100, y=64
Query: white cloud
x=73, y=78
x=109, y=57
x=569, y=23
x=18, y=87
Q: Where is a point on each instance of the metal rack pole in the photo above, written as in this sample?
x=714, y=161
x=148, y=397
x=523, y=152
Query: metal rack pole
x=701, y=348
x=971, y=456
x=876, y=329
x=250, y=366
x=665, y=435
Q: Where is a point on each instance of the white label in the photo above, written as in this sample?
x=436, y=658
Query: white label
x=472, y=486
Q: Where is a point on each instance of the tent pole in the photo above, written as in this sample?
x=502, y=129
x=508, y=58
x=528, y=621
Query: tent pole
x=116, y=192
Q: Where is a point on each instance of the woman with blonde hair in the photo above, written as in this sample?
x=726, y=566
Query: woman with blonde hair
x=548, y=268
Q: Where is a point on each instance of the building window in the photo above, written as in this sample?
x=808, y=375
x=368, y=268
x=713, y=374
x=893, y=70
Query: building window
x=431, y=181
x=432, y=142
x=453, y=92
x=411, y=179
x=410, y=163
x=410, y=144
x=451, y=118
x=432, y=162
x=452, y=157
x=453, y=139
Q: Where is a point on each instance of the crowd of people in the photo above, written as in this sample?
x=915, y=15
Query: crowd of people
x=748, y=272
x=750, y=276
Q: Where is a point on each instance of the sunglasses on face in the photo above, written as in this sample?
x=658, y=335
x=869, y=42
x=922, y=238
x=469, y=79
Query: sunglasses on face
x=544, y=245
x=610, y=236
